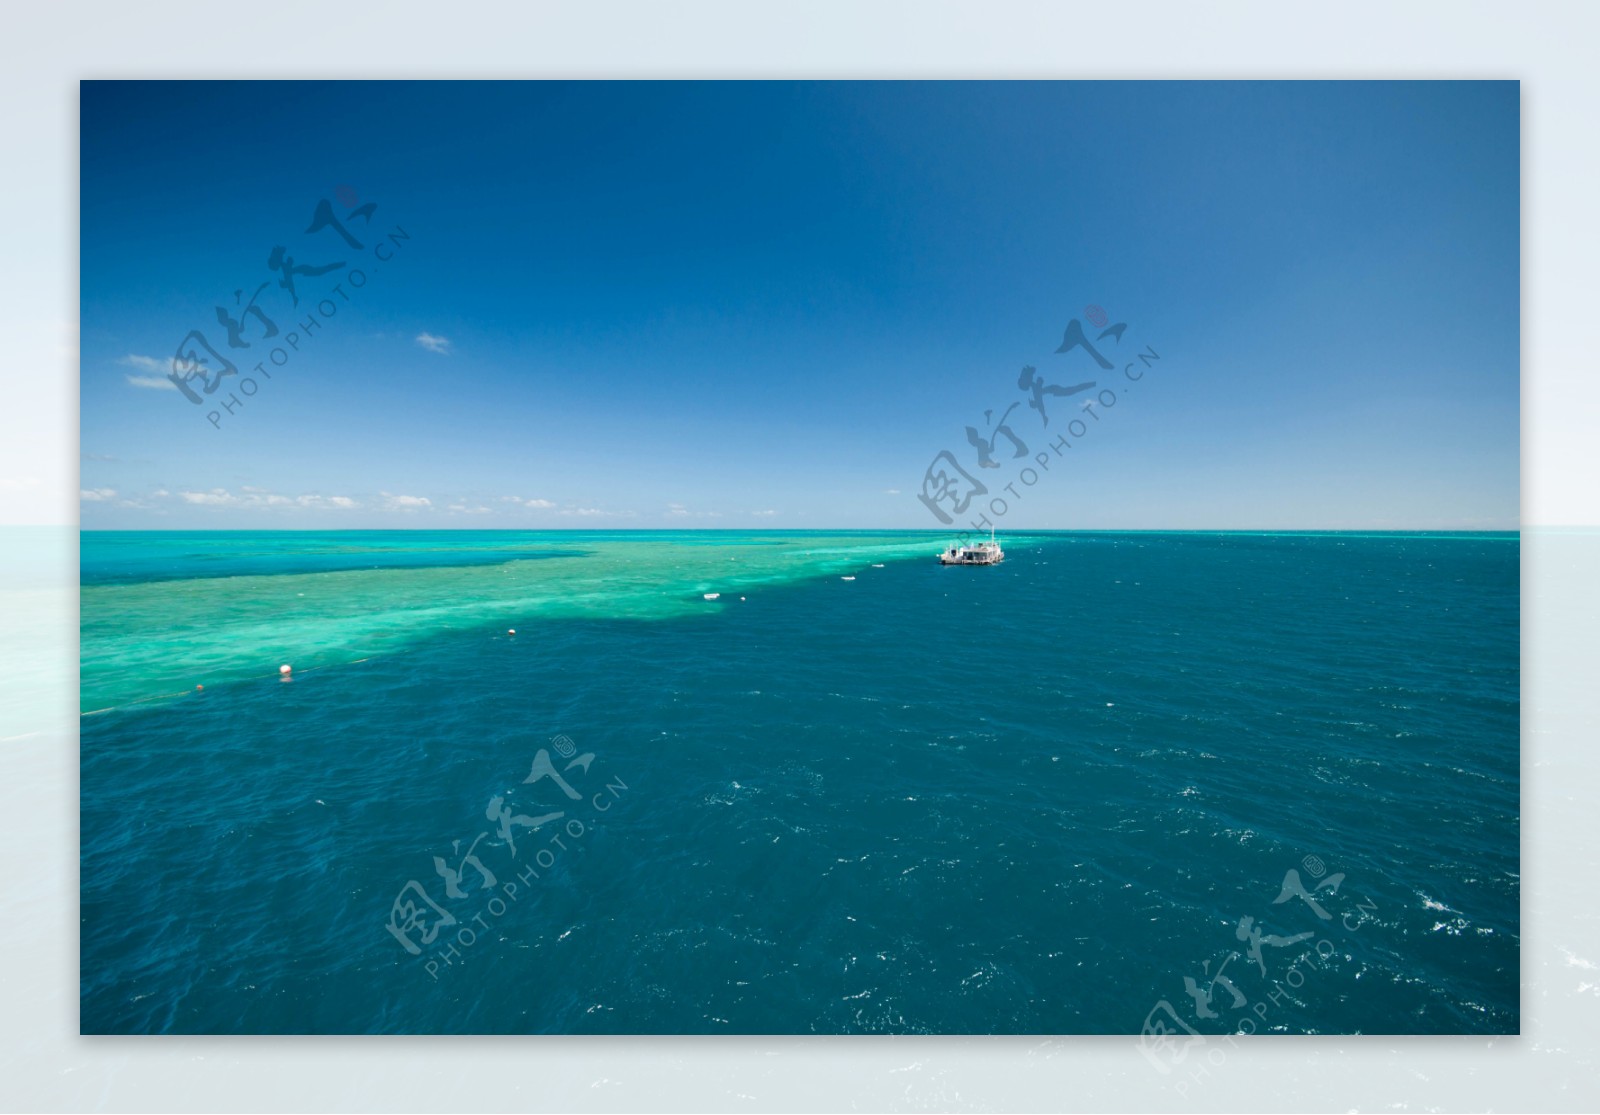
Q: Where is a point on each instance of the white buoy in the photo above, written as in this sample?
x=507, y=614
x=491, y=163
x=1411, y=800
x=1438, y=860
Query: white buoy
x=285, y=670
x=513, y=631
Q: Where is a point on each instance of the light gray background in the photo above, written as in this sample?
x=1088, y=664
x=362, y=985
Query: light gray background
x=45, y=50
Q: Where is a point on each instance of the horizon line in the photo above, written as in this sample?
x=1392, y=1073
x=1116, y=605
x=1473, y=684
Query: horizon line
x=813, y=530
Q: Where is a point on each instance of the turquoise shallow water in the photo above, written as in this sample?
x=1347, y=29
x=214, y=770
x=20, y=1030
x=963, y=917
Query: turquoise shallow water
x=1035, y=798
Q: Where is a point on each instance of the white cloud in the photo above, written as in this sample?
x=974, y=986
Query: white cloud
x=256, y=497
x=764, y=514
x=678, y=510
x=536, y=504
x=433, y=343
x=216, y=497
x=155, y=368
x=463, y=509
x=97, y=495
x=159, y=383
x=597, y=513
x=405, y=503
x=323, y=503
x=891, y=491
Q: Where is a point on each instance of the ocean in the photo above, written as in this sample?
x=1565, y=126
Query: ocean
x=1152, y=784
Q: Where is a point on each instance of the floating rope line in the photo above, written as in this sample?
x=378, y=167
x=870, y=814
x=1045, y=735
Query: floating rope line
x=198, y=688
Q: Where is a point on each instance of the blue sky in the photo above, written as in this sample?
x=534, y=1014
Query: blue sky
x=743, y=305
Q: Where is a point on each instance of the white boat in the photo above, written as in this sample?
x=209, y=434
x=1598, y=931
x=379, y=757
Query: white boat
x=978, y=553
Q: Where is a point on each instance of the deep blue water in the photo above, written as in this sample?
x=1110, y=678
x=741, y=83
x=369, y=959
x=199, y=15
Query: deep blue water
x=1032, y=798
